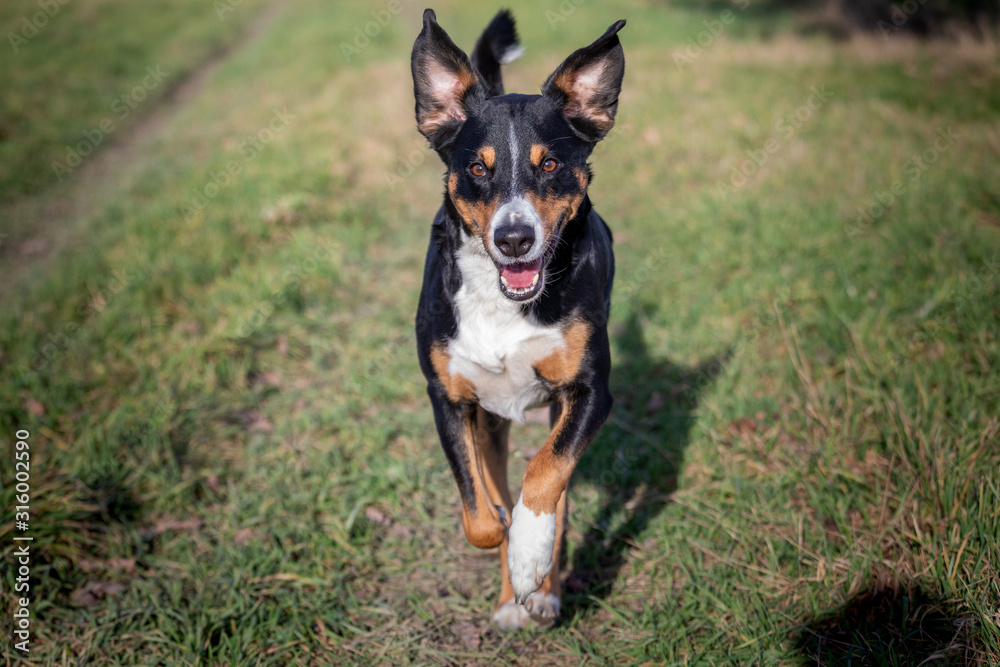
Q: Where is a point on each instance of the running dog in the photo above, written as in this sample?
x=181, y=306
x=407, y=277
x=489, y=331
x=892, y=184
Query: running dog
x=516, y=290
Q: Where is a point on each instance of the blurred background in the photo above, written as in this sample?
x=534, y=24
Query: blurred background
x=213, y=218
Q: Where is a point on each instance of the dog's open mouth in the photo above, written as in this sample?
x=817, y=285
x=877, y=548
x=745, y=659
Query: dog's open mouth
x=521, y=281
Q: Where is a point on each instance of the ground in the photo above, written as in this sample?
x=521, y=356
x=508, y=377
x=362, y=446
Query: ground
x=207, y=333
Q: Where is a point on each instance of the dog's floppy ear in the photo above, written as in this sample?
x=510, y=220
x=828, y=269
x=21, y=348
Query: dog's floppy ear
x=445, y=84
x=587, y=84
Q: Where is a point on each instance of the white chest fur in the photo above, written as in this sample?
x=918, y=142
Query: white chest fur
x=497, y=344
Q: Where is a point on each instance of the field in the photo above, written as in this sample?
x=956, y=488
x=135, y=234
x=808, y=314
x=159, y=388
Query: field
x=207, y=334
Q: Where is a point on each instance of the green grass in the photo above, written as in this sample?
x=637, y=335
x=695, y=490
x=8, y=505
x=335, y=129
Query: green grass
x=77, y=74
x=228, y=421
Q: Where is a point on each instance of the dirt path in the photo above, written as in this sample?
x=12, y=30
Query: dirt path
x=39, y=227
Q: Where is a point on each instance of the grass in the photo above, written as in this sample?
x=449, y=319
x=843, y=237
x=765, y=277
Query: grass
x=233, y=459
x=72, y=66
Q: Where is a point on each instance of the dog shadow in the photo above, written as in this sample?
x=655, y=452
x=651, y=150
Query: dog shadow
x=635, y=459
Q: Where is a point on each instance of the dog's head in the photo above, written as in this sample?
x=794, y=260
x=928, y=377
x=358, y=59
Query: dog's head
x=517, y=164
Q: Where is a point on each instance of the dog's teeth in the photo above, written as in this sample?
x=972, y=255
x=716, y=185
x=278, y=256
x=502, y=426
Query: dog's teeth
x=534, y=281
x=504, y=281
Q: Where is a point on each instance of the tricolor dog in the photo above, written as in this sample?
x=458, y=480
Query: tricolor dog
x=516, y=290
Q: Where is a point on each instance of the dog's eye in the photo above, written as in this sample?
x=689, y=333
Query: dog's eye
x=476, y=169
x=550, y=165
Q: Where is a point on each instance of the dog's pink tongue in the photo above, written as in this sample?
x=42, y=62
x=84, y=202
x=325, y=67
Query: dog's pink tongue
x=520, y=276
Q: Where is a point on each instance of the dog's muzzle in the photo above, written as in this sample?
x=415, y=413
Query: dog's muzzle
x=519, y=249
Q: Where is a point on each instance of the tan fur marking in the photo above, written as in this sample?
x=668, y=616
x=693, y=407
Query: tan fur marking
x=603, y=121
x=493, y=444
x=564, y=82
x=432, y=122
x=578, y=98
x=538, y=152
x=476, y=215
x=494, y=452
x=466, y=79
x=482, y=533
x=447, y=98
x=554, y=210
x=482, y=526
x=470, y=212
x=561, y=366
x=488, y=155
x=547, y=474
x=457, y=386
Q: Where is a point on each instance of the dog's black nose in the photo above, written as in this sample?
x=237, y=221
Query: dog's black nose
x=514, y=240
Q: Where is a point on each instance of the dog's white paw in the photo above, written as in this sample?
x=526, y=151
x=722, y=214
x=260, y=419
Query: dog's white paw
x=540, y=609
x=543, y=607
x=511, y=616
x=529, y=551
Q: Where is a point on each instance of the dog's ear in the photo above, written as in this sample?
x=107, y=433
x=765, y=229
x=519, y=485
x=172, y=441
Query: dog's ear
x=587, y=84
x=445, y=84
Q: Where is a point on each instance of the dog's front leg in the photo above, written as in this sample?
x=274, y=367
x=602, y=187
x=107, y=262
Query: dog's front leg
x=484, y=524
x=532, y=537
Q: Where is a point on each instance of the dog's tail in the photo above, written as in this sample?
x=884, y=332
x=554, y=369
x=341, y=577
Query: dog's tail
x=497, y=46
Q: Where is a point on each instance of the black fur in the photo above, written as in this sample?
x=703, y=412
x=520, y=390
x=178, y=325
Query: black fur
x=498, y=44
x=579, y=269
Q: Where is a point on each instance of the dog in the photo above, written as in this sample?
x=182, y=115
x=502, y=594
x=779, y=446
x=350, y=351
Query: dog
x=516, y=290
